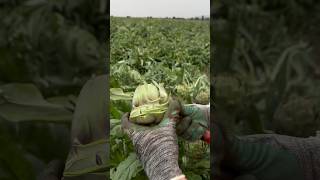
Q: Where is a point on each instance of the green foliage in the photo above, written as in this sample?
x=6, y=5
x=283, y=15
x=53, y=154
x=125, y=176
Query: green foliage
x=25, y=171
x=168, y=51
x=40, y=44
x=24, y=102
x=264, y=53
x=127, y=169
x=48, y=50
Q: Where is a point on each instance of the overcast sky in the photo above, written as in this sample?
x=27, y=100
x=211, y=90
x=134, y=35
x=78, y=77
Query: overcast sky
x=160, y=8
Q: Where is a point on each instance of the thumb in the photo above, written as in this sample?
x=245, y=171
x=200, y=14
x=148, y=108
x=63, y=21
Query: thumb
x=174, y=109
x=126, y=124
x=173, y=114
x=183, y=124
x=125, y=121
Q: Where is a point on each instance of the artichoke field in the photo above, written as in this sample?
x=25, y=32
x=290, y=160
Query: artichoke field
x=174, y=52
x=266, y=66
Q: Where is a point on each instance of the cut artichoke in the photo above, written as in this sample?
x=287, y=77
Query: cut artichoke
x=149, y=103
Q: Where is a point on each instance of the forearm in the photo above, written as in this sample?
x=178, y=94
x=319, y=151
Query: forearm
x=158, y=153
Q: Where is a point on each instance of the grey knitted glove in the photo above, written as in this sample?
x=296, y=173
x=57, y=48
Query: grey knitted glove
x=157, y=146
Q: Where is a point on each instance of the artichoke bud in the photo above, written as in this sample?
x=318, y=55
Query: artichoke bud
x=203, y=97
x=149, y=103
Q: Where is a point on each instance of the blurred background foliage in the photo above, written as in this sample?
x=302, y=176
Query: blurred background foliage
x=48, y=50
x=266, y=66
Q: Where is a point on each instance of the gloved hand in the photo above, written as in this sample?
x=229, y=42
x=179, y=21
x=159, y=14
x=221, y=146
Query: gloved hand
x=194, y=124
x=239, y=158
x=157, y=146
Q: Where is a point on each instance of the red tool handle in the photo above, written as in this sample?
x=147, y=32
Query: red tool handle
x=206, y=137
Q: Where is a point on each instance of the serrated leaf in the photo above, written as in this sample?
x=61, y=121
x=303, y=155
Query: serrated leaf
x=127, y=169
x=116, y=131
x=24, y=102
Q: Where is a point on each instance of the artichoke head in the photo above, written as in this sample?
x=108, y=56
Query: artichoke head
x=149, y=103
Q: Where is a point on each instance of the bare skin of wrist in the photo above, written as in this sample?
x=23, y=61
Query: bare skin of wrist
x=181, y=177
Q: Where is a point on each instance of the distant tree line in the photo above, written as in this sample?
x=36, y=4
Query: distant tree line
x=180, y=18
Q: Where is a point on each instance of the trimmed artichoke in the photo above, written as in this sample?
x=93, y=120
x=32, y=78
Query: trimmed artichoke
x=149, y=103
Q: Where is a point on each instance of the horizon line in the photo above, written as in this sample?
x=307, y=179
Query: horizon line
x=162, y=16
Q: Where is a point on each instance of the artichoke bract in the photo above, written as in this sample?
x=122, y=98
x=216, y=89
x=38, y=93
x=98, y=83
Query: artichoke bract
x=149, y=103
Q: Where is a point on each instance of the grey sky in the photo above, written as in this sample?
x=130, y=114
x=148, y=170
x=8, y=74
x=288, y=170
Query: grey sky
x=160, y=8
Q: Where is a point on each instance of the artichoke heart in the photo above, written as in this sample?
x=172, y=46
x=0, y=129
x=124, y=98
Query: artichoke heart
x=149, y=103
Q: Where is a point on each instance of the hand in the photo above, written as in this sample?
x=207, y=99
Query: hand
x=195, y=122
x=157, y=146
